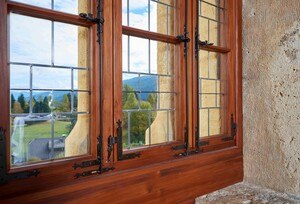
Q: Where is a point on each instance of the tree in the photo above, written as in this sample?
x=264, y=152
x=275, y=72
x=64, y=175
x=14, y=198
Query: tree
x=17, y=108
x=12, y=101
x=152, y=99
x=65, y=105
x=21, y=100
x=41, y=106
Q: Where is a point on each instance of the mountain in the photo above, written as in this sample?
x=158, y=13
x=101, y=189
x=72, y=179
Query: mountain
x=144, y=83
x=57, y=95
x=147, y=83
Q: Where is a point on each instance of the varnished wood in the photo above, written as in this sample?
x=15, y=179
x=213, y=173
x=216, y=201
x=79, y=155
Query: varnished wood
x=149, y=35
x=169, y=182
x=157, y=177
x=213, y=48
x=47, y=14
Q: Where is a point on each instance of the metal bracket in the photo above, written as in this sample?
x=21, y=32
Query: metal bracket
x=86, y=164
x=185, y=145
x=233, y=130
x=118, y=140
x=185, y=39
x=4, y=176
x=99, y=20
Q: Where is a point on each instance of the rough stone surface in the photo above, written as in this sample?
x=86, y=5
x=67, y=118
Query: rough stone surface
x=271, y=93
x=247, y=194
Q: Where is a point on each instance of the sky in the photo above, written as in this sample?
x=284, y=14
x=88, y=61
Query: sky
x=30, y=42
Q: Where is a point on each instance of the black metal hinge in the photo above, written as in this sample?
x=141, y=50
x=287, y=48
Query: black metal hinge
x=4, y=176
x=185, y=144
x=98, y=162
x=233, y=130
x=119, y=141
x=185, y=39
x=99, y=20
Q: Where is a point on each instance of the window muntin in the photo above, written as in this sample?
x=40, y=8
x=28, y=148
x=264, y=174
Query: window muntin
x=66, y=6
x=49, y=86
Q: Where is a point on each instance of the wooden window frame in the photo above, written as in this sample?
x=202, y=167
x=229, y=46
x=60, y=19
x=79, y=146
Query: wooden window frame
x=158, y=152
x=233, y=65
x=50, y=167
x=61, y=171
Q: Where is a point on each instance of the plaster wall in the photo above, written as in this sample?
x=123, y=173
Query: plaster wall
x=271, y=94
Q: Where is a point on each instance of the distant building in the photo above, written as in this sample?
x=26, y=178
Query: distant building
x=40, y=149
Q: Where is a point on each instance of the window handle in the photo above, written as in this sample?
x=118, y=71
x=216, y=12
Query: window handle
x=204, y=43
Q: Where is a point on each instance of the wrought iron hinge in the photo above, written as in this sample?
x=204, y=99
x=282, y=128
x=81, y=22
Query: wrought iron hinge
x=119, y=141
x=197, y=40
x=4, y=176
x=233, y=130
x=199, y=142
x=185, y=39
x=99, y=20
x=98, y=162
x=185, y=144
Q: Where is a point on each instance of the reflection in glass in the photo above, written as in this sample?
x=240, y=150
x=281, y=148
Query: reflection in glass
x=211, y=21
x=212, y=89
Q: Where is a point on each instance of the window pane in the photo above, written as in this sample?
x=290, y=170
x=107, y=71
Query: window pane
x=30, y=39
x=212, y=92
x=151, y=15
x=212, y=21
x=148, y=93
x=51, y=78
x=67, y=6
x=50, y=94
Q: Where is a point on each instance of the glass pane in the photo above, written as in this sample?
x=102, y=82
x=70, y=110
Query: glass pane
x=81, y=79
x=30, y=40
x=139, y=55
x=50, y=93
x=148, y=93
x=151, y=15
x=212, y=21
x=212, y=89
x=19, y=102
x=67, y=6
x=51, y=78
x=19, y=77
x=68, y=40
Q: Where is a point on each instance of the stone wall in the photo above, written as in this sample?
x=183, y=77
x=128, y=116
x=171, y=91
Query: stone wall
x=271, y=92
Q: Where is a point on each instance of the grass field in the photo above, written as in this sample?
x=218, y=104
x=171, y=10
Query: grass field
x=43, y=130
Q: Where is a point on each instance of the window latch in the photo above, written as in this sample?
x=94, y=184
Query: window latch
x=98, y=162
x=99, y=20
x=185, y=39
x=4, y=176
x=204, y=43
x=119, y=141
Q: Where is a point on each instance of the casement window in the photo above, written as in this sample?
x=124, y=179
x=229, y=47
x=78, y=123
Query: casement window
x=154, y=81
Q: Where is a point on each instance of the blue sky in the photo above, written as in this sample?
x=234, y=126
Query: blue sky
x=30, y=42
